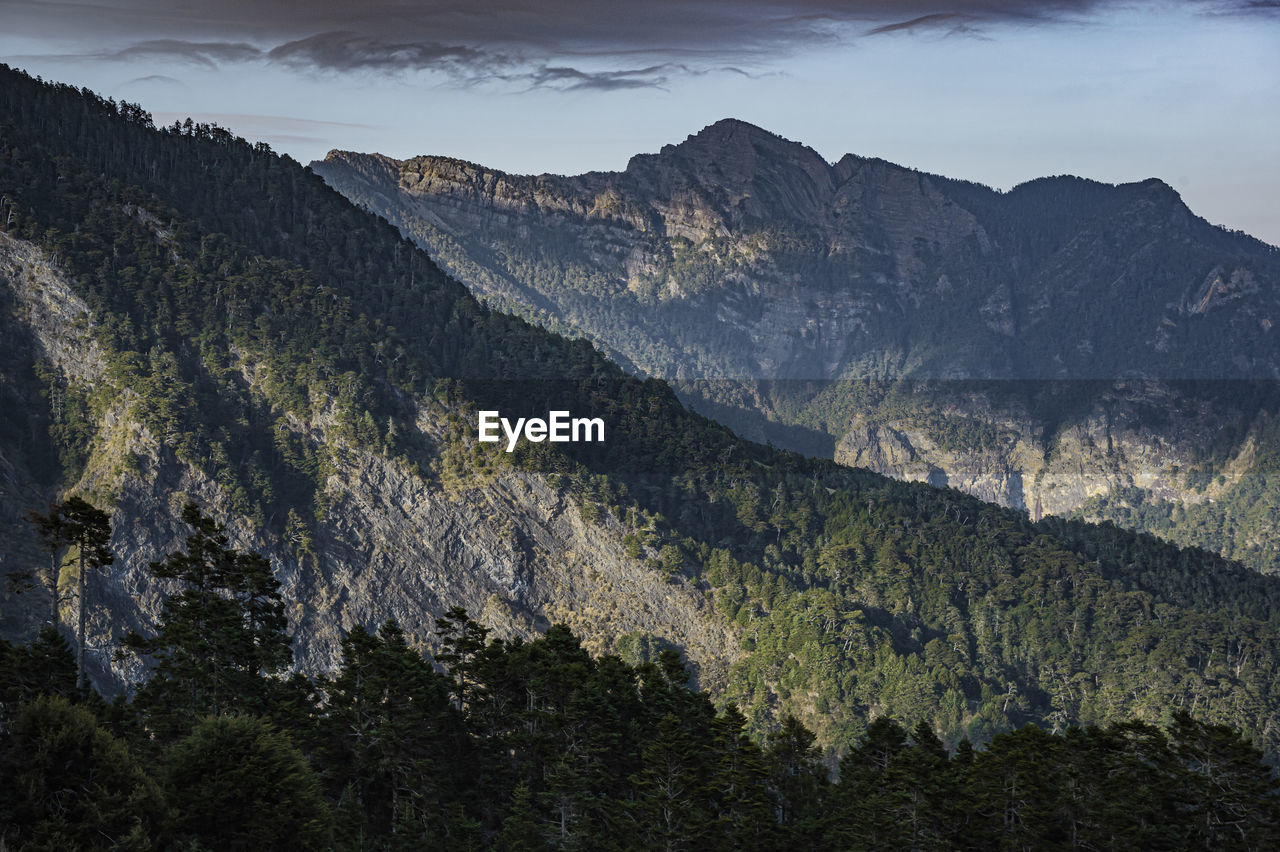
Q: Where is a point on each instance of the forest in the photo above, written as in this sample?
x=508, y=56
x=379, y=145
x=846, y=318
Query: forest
x=514, y=745
x=863, y=606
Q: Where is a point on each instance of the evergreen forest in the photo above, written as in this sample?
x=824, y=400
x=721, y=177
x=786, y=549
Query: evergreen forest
x=912, y=669
x=516, y=745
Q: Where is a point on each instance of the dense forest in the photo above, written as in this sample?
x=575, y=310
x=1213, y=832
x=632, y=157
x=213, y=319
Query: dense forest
x=534, y=745
x=234, y=296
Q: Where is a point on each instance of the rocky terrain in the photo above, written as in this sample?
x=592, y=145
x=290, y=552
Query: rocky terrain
x=513, y=550
x=762, y=280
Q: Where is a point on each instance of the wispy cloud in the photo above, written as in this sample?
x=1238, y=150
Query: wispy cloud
x=350, y=51
x=162, y=79
x=561, y=44
x=1269, y=8
x=947, y=23
x=209, y=54
x=572, y=79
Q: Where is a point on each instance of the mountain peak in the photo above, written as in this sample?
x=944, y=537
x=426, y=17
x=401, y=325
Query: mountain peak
x=743, y=160
x=727, y=127
x=733, y=133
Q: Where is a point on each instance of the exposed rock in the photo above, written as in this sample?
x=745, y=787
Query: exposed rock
x=513, y=550
x=740, y=256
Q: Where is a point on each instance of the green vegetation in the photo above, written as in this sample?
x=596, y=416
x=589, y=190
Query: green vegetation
x=1236, y=518
x=1052, y=292
x=259, y=325
x=538, y=745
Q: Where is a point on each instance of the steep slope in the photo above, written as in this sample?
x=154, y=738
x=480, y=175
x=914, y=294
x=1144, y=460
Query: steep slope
x=864, y=311
x=230, y=330
x=814, y=271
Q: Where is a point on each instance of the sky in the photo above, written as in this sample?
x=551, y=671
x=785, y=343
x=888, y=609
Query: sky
x=996, y=91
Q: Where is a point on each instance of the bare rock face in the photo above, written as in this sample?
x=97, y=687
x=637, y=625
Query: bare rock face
x=737, y=262
x=797, y=262
x=1133, y=443
x=512, y=549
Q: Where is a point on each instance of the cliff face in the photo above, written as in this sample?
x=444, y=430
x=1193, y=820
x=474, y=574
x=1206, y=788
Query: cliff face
x=393, y=543
x=762, y=280
x=801, y=267
x=1149, y=437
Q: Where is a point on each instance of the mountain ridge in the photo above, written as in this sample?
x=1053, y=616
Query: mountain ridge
x=313, y=378
x=701, y=190
x=766, y=283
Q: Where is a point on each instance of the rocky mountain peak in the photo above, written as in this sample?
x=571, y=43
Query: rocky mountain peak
x=749, y=170
x=733, y=131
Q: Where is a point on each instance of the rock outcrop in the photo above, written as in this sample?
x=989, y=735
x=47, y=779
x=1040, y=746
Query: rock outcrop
x=760, y=279
x=512, y=549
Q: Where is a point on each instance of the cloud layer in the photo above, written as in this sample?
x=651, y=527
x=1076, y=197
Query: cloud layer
x=563, y=44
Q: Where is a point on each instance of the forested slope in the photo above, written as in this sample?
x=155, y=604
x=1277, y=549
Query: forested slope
x=291, y=356
x=1067, y=347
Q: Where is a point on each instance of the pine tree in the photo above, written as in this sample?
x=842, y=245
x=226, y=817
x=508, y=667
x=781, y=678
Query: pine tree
x=744, y=819
x=797, y=780
x=670, y=810
x=76, y=523
x=69, y=784
x=520, y=831
x=44, y=667
x=864, y=797
x=218, y=639
x=1231, y=795
x=390, y=735
x=238, y=783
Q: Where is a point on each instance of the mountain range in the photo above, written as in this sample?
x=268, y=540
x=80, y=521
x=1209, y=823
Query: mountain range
x=191, y=318
x=1067, y=347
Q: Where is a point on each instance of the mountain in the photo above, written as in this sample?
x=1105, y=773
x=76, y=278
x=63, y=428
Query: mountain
x=188, y=317
x=875, y=314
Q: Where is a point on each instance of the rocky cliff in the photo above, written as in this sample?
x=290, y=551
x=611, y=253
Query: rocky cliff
x=512, y=549
x=1169, y=458
x=762, y=281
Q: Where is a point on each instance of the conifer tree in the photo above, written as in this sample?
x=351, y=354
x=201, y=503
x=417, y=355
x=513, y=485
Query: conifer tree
x=69, y=784
x=520, y=830
x=218, y=639
x=1232, y=796
x=391, y=736
x=238, y=783
x=744, y=819
x=45, y=666
x=797, y=779
x=76, y=523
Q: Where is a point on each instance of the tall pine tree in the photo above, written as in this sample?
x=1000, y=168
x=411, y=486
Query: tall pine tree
x=219, y=639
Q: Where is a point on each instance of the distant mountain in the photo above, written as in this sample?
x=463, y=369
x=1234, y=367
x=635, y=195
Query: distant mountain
x=186, y=316
x=738, y=254
x=878, y=315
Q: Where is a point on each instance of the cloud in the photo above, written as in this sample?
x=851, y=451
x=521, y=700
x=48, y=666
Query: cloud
x=561, y=44
x=163, y=79
x=1249, y=7
x=572, y=79
x=669, y=28
x=946, y=22
x=349, y=51
x=208, y=54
